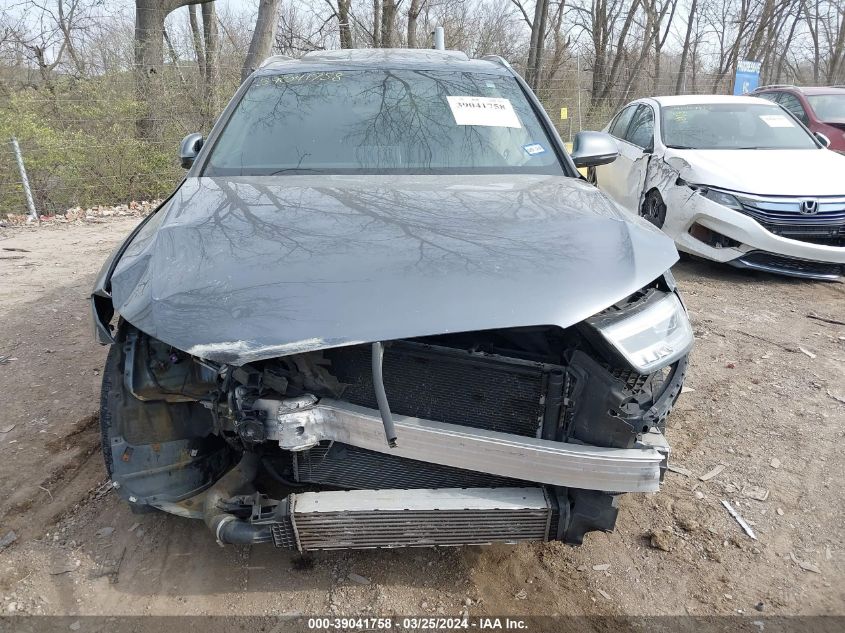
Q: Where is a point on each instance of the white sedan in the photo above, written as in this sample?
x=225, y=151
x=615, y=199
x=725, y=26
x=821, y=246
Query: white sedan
x=732, y=179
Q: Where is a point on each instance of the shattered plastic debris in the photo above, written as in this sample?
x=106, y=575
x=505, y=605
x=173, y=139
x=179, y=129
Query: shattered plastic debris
x=805, y=565
x=7, y=540
x=712, y=473
x=78, y=215
x=755, y=492
x=679, y=469
x=739, y=519
x=358, y=578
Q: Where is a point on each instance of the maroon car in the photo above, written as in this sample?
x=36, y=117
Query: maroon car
x=821, y=109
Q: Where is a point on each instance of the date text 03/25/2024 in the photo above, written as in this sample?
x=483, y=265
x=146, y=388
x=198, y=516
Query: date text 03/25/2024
x=417, y=624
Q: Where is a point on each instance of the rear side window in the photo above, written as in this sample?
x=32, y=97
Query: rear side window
x=620, y=125
x=641, y=130
x=768, y=96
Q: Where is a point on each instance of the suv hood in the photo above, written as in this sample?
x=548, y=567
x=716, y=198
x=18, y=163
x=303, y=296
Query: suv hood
x=773, y=172
x=242, y=269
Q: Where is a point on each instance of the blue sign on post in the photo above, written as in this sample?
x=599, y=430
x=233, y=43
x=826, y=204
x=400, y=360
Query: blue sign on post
x=747, y=77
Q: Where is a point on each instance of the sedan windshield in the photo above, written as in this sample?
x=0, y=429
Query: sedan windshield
x=732, y=126
x=828, y=107
x=383, y=121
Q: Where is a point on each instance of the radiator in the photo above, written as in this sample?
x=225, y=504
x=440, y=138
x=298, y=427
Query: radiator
x=449, y=385
x=350, y=467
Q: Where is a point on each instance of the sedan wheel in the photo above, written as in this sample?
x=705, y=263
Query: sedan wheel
x=653, y=209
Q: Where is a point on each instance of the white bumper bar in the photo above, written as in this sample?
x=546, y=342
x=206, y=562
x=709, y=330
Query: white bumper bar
x=300, y=423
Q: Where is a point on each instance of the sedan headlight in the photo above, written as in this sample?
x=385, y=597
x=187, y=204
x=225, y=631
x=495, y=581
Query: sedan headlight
x=725, y=199
x=650, y=335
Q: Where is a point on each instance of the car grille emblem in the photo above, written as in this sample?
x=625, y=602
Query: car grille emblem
x=809, y=206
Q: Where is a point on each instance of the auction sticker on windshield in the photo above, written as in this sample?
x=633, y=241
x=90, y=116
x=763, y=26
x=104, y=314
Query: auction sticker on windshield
x=489, y=111
x=776, y=120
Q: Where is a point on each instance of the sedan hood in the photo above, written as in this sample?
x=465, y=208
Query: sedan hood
x=243, y=269
x=772, y=172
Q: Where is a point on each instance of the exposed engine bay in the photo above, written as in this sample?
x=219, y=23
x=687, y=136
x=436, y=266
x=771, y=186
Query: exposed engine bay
x=500, y=435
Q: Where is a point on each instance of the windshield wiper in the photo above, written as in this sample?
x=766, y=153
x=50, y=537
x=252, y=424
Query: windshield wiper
x=681, y=147
x=289, y=169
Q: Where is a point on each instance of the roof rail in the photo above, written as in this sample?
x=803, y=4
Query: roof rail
x=497, y=60
x=275, y=58
x=776, y=86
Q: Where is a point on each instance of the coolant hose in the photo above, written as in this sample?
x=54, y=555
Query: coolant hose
x=226, y=527
x=381, y=396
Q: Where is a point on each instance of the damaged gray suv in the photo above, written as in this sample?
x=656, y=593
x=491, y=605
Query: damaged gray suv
x=383, y=309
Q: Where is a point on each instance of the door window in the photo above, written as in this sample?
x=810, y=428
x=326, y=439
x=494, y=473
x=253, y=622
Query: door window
x=641, y=130
x=620, y=125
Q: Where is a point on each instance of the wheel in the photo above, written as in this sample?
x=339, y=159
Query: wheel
x=592, y=177
x=653, y=208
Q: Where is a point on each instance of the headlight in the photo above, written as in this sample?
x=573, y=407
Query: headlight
x=725, y=199
x=648, y=336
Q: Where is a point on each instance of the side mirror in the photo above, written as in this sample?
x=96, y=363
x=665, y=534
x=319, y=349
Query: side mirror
x=821, y=138
x=189, y=149
x=591, y=149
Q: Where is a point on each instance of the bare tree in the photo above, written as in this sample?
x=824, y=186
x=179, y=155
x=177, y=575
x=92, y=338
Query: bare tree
x=341, y=10
x=388, y=22
x=207, y=50
x=262, y=37
x=692, y=16
x=414, y=10
x=149, y=59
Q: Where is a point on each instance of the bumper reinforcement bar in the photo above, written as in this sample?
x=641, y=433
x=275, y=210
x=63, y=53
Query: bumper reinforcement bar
x=302, y=422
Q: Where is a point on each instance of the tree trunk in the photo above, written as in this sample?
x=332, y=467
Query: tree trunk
x=538, y=39
x=149, y=60
x=388, y=18
x=262, y=37
x=680, y=84
x=174, y=59
x=414, y=10
x=196, y=36
x=376, y=23
x=343, y=23
x=212, y=62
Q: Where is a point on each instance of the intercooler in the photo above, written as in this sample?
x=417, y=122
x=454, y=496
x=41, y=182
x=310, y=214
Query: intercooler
x=365, y=519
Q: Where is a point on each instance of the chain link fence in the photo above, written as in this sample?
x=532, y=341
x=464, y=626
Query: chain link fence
x=79, y=143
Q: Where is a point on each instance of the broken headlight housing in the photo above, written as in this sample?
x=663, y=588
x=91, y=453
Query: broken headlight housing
x=648, y=334
x=721, y=197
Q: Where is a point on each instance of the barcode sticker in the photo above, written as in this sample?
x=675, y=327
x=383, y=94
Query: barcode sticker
x=489, y=111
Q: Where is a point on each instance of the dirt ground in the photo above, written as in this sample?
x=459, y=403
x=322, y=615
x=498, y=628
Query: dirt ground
x=766, y=401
